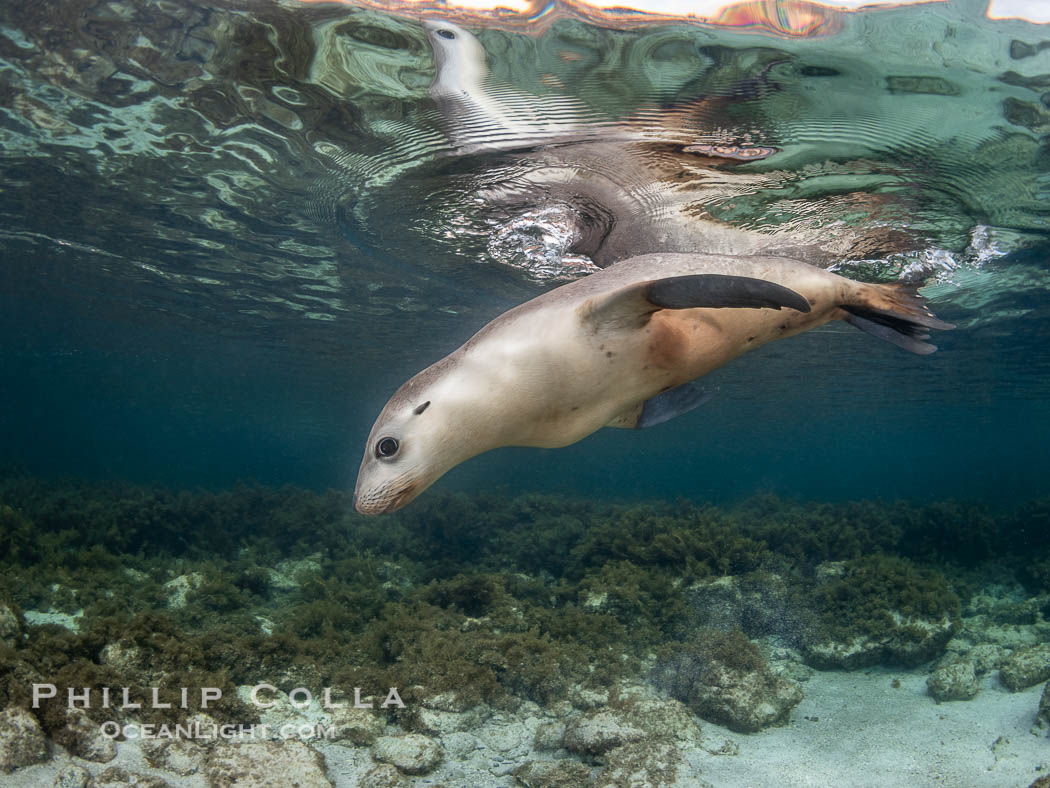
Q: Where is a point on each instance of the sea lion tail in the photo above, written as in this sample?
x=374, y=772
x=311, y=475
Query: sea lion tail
x=896, y=313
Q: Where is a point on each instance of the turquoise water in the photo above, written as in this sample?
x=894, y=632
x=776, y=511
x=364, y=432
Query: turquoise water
x=220, y=260
x=230, y=231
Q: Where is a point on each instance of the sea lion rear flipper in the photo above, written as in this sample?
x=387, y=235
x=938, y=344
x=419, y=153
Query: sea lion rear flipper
x=635, y=303
x=671, y=403
x=896, y=313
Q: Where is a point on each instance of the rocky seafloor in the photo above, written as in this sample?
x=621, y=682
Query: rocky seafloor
x=262, y=636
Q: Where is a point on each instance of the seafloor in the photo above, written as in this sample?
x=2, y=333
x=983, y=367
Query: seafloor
x=533, y=641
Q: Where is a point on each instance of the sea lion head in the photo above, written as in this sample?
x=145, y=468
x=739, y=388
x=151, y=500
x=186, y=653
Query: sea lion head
x=426, y=428
x=459, y=58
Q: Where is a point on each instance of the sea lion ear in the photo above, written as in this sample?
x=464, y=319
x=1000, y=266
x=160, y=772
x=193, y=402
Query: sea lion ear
x=633, y=305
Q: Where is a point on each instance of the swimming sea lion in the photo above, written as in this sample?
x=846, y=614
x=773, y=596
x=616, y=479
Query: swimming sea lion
x=621, y=347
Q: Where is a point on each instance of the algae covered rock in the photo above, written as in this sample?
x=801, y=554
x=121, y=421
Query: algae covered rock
x=444, y=713
x=598, y=732
x=549, y=736
x=879, y=610
x=355, y=726
x=987, y=657
x=411, y=754
x=1043, y=715
x=115, y=777
x=83, y=737
x=641, y=763
x=664, y=720
x=760, y=604
x=22, y=742
x=722, y=677
x=382, y=775
x=182, y=756
x=265, y=764
x=10, y=625
x=957, y=681
x=72, y=776
x=1026, y=667
x=178, y=588
x=552, y=774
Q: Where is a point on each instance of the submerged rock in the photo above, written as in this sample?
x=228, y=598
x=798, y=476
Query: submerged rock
x=722, y=677
x=70, y=621
x=115, y=777
x=549, y=736
x=22, y=742
x=661, y=719
x=382, y=775
x=179, y=587
x=265, y=765
x=760, y=605
x=182, y=756
x=360, y=727
x=745, y=701
x=957, y=681
x=641, y=764
x=1043, y=714
x=72, y=776
x=445, y=713
x=289, y=574
x=552, y=774
x=587, y=698
x=411, y=754
x=598, y=732
x=987, y=657
x=1026, y=667
x=83, y=737
x=10, y=625
x=879, y=610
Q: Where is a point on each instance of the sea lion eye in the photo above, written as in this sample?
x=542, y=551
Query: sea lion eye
x=387, y=448
x=447, y=34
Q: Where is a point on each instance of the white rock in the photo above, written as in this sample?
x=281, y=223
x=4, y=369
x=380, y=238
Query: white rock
x=180, y=586
x=70, y=621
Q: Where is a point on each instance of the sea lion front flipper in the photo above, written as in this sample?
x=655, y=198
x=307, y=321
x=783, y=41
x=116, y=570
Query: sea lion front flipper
x=632, y=305
x=671, y=403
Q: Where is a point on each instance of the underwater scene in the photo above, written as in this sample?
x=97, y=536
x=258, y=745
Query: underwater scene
x=492, y=394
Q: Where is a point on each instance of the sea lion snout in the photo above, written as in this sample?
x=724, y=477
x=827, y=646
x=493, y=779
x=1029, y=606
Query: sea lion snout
x=384, y=499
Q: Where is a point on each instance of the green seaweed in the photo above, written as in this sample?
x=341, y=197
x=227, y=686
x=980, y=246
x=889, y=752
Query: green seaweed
x=861, y=600
x=490, y=598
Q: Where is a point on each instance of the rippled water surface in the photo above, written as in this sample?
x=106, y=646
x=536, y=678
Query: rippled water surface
x=229, y=230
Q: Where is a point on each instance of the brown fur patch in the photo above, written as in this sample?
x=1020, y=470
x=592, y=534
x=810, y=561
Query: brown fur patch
x=668, y=341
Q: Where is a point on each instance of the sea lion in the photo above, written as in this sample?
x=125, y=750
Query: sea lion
x=622, y=347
